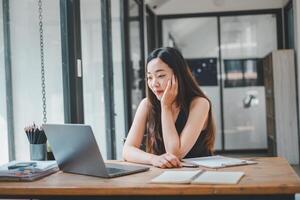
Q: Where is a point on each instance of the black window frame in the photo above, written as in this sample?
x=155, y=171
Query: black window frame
x=72, y=83
x=126, y=56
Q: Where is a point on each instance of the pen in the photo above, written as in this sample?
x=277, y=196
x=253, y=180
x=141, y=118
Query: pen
x=22, y=165
x=190, y=165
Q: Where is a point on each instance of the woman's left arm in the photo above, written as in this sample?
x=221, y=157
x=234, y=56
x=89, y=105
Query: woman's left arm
x=198, y=113
x=181, y=145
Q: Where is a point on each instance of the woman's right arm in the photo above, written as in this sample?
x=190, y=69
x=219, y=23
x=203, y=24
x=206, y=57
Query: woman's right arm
x=131, y=149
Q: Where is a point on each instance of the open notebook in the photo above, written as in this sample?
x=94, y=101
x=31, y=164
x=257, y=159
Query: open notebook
x=198, y=177
x=218, y=161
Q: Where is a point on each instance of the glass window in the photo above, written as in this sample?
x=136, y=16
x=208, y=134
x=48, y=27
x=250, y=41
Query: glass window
x=92, y=68
x=26, y=67
x=118, y=77
x=3, y=116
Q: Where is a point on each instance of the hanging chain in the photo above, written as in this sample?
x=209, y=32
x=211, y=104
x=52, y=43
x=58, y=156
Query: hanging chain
x=42, y=61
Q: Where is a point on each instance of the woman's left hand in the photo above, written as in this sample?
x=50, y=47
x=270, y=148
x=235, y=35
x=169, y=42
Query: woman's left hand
x=170, y=93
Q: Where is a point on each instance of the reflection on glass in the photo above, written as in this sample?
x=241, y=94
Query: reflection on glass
x=290, y=29
x=137, y=66
x=26, y=67
x=245, y=40
x=250, y=71
x=93, y=91
x=251, y=77
x=243, y=72
x=197, y=39
x=249, y=36
x=233, y=73
x=120, y=130
x=3, y=116
x=204, y=70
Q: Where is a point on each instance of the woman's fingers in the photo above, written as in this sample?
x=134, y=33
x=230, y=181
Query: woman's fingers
x=175, y=85
x=167, y=160
x=167, y=88
x=161, y=164
x=173, y=160
x=166, y=163
x=169, y=85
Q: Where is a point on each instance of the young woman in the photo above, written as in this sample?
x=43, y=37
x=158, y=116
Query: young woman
x=176, y=116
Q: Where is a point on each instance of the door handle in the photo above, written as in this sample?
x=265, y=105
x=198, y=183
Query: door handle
x=250, y=100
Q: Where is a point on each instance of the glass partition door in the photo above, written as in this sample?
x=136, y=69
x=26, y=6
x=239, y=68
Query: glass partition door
x=197, y=39
x=92, y=70
x=245, y=40
x=225, y=54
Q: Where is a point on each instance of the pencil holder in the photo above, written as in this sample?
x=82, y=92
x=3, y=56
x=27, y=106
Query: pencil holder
x=37, y=139
x=38, y=151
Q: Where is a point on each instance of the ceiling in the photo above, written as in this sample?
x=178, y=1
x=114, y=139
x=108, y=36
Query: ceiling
x=167, y=7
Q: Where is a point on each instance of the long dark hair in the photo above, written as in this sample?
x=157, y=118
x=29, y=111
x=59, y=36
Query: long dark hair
x=188, y=89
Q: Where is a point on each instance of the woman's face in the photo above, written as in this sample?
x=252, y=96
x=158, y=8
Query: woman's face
x=158, y=74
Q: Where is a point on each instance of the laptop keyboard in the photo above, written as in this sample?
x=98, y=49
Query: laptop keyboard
x=112, y=170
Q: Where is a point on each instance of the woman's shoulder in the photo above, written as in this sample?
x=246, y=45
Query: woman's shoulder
x=145, y=103
x=143, y=107
x=200, y=102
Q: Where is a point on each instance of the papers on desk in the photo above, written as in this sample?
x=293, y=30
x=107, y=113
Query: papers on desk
x=217, y=177
x=218, y=161
x=198, y=177
x=27, y=170
x=176, y=176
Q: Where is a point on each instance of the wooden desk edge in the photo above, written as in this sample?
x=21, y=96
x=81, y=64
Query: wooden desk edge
x=18, y=189
x=163, y=190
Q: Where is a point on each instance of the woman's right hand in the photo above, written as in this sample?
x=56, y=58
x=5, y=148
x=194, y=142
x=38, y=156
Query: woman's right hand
x=166, y=160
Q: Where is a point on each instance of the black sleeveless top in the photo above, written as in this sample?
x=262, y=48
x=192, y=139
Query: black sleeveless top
x=199, y=149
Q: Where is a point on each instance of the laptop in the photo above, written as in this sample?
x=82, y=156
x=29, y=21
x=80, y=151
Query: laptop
x=76, y=151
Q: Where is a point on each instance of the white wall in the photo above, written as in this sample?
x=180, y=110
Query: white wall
x=198, y=6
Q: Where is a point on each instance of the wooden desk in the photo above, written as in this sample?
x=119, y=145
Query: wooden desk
x=271, y=178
